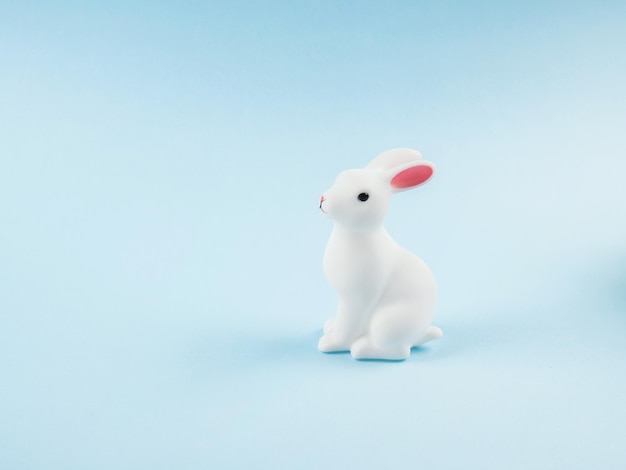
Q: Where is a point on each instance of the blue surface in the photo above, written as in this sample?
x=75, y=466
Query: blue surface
x=161, y=291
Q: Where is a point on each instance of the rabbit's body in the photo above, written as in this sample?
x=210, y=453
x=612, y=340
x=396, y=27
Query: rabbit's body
x=387, y=295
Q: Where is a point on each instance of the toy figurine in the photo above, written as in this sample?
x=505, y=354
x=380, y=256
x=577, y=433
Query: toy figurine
x=387, y=295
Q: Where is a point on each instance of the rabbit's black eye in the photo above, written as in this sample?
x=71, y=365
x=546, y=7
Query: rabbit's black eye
x=364, y=197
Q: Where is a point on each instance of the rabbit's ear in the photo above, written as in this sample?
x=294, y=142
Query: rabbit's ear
x=410, y=175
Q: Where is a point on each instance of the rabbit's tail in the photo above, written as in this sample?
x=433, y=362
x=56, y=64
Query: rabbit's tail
x=433, y=332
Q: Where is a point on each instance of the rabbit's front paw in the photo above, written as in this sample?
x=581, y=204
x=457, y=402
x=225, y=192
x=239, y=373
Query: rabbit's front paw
x=328, y=343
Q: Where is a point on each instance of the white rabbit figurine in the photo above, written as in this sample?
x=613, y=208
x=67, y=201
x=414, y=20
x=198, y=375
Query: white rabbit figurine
x=387, y=295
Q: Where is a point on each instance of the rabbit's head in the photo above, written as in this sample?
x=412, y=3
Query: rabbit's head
x=359, y=198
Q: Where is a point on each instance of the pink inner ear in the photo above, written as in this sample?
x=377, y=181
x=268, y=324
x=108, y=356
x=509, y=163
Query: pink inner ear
x=411, y=177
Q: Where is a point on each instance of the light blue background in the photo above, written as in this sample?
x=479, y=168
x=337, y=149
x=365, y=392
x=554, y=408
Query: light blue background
x=161, y=291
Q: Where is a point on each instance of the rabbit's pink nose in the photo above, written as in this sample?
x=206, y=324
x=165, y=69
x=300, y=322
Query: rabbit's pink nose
x=322, y=199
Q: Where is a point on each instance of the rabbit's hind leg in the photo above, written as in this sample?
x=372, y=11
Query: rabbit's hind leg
x=391, y=335
x=364, y=348
x=329, y=326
